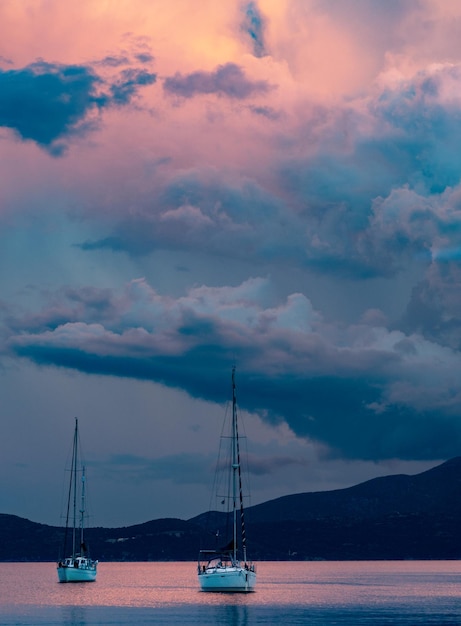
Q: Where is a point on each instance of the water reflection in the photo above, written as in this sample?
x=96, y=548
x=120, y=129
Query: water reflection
x=232, y=615
x=289, y=593
x=74, y=616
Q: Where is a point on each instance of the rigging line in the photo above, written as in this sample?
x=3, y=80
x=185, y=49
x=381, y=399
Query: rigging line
x=75, y=487
x=242, y=516
x=66, y=532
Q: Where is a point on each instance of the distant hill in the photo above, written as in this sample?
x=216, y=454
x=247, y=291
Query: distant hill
x=394, y=517
x=436, y=491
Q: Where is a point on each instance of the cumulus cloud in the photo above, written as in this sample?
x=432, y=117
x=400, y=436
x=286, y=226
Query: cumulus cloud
x=434, y=309
x=372, y=192
x=203, y=210
x=362, y=391
x=378, y=188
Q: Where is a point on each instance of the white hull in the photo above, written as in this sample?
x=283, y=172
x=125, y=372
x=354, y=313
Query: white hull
x=70, y=575
x=80, y=570
x=230, y=579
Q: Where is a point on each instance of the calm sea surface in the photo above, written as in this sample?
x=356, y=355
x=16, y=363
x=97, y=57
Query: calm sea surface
x=351, y=593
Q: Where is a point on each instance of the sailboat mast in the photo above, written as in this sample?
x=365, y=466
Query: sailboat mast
x=82, y=511
x=234, y=462
x=242, y=516
x=74, y=477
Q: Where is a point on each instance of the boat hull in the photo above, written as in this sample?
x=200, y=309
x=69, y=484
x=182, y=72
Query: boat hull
x=73, y=573
x=234, y=579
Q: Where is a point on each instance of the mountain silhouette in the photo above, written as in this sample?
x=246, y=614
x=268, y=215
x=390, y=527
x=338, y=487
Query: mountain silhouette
x=392, y=517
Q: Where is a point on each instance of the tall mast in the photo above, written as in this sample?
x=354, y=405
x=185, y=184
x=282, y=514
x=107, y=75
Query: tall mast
x=82, y=511
x=74, y=471
x=234, y=462
x=237, y=474
x=242, y=517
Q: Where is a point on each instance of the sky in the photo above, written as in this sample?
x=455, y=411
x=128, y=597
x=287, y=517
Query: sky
x=184, y=187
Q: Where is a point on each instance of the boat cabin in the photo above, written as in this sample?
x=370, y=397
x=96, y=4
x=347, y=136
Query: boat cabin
x=79, y=562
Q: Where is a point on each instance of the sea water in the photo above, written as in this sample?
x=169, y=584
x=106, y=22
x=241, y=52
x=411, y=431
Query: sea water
x=287, y=593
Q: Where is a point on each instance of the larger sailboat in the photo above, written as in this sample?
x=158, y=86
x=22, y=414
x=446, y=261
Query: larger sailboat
x=79, y=567
x=227, y=568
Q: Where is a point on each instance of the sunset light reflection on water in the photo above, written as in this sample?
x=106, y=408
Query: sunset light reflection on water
x=404, y=592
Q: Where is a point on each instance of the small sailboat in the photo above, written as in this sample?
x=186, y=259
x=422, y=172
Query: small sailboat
x=227, y=569
x=79, y=567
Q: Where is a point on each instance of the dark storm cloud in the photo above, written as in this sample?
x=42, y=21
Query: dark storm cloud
x=227, y=80
x=253, y=26
x=49, y=102
x=361, y=391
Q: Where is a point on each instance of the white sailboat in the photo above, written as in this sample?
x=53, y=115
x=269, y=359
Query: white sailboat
x=78, y=567
x=228, y=569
